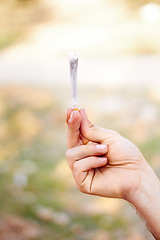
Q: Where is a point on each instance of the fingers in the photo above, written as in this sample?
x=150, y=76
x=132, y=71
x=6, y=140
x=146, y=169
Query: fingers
x=73, y=134
x=84, y=159
x=89, y=163
x=85, y=151
x=91, y=132
x=83, y=139
x=82, y=167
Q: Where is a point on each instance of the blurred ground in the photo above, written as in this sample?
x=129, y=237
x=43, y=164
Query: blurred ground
x=36, y=183
x=118, y=84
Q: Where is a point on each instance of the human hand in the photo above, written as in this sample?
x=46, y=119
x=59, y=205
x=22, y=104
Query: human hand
x=113, y=171
x=117, y=169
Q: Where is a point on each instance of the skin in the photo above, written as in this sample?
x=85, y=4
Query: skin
x=106, y=164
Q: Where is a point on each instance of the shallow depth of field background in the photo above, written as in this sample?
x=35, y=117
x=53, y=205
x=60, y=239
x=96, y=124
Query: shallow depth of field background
x=119, y=85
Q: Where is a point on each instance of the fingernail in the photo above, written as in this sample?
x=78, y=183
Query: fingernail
x=102, y=159
x=101, y=147
x=71, y=117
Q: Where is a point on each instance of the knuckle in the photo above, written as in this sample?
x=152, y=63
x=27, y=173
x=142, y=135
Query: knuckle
x=68, y=154
x=81, y=188
x=76, y=166
x=116, y=133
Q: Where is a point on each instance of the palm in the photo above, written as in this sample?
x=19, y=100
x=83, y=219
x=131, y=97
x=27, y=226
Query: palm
x=119, y=175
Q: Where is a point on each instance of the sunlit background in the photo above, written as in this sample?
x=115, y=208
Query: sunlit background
x=118, y=42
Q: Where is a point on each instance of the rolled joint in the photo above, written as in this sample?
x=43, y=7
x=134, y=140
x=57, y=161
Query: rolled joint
x=73, y=60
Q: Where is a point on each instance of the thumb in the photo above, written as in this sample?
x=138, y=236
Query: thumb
x=94, y=133
x=73, y=122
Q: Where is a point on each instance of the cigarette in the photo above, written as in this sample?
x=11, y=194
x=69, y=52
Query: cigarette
x=73, y=61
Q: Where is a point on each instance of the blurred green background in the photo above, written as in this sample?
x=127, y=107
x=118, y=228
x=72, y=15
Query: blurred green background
x=119, y=85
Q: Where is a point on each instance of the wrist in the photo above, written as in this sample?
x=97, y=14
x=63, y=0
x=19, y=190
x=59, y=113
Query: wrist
x=146, y=199
x=148, y=188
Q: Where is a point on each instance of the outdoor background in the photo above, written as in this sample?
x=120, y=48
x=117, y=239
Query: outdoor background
x=118, y=42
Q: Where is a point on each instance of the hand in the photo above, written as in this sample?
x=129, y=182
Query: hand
x=106, y=164
x=103, y=162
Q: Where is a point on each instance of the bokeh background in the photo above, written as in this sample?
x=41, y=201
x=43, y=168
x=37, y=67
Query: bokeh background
x=118, y=42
